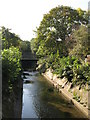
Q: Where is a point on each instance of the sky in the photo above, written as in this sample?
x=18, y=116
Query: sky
x=23, y=16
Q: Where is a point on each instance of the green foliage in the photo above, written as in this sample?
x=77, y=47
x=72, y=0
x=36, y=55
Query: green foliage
x=80, y=46
x=76, y=96
x=54, y=28
x=34, y=45
x=11, y=57
x=73, y=69
x=81, y=74
x=9, y=39
x=25, y=46
x=61, y=36
x=10, y=64
x=65, y=67
x=70, y=67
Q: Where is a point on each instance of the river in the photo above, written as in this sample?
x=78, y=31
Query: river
x=41, y=100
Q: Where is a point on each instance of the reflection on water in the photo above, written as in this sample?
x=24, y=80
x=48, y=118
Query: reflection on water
x=40, y=102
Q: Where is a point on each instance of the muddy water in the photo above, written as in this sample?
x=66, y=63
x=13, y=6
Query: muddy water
x=40, y=100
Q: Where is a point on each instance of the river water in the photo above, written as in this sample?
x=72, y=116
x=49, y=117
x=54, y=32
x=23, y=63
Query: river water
x=40, y=100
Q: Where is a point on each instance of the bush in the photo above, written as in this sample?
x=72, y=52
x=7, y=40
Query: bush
x=73, y=69
x=65, y=67
x=81, y=74
x=10, y=65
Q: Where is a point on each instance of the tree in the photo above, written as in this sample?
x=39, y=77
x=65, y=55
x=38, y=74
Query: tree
x=9, y=39
x=56, y=26
x=25, y=46
x=80, y=42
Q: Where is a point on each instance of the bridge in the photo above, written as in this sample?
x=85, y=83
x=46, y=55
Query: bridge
x=29, y=60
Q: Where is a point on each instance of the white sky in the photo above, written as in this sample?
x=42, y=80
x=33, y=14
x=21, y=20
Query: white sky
x=23, y=16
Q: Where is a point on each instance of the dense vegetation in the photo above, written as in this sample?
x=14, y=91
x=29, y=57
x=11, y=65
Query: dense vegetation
x=10, y=65
x=12, y=48
x=11, y=56
x=62, y=44
x=9, y=39
x=25, y=46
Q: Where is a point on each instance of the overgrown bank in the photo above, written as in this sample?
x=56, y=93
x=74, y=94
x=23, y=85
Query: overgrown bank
x=62, y=44
x=72, y=79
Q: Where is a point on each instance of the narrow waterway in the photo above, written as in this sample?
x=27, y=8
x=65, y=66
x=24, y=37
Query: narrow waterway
x=40, y=100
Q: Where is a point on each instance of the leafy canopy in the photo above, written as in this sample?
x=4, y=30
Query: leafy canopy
x=80, y=43
x=9, y=39
x=55, y=27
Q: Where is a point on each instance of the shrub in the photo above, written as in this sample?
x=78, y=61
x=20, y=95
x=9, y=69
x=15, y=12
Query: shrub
x=10, y=65
x=81, y=74
x=66, y=67
x=73, y=69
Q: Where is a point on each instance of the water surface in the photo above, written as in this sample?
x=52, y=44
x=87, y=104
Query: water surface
x=40, y=101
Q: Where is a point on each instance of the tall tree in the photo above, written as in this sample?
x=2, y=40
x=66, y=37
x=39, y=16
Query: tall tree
x=9, y=39
x=55, y=27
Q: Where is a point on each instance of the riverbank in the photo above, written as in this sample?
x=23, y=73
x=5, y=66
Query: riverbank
x=79, y=98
